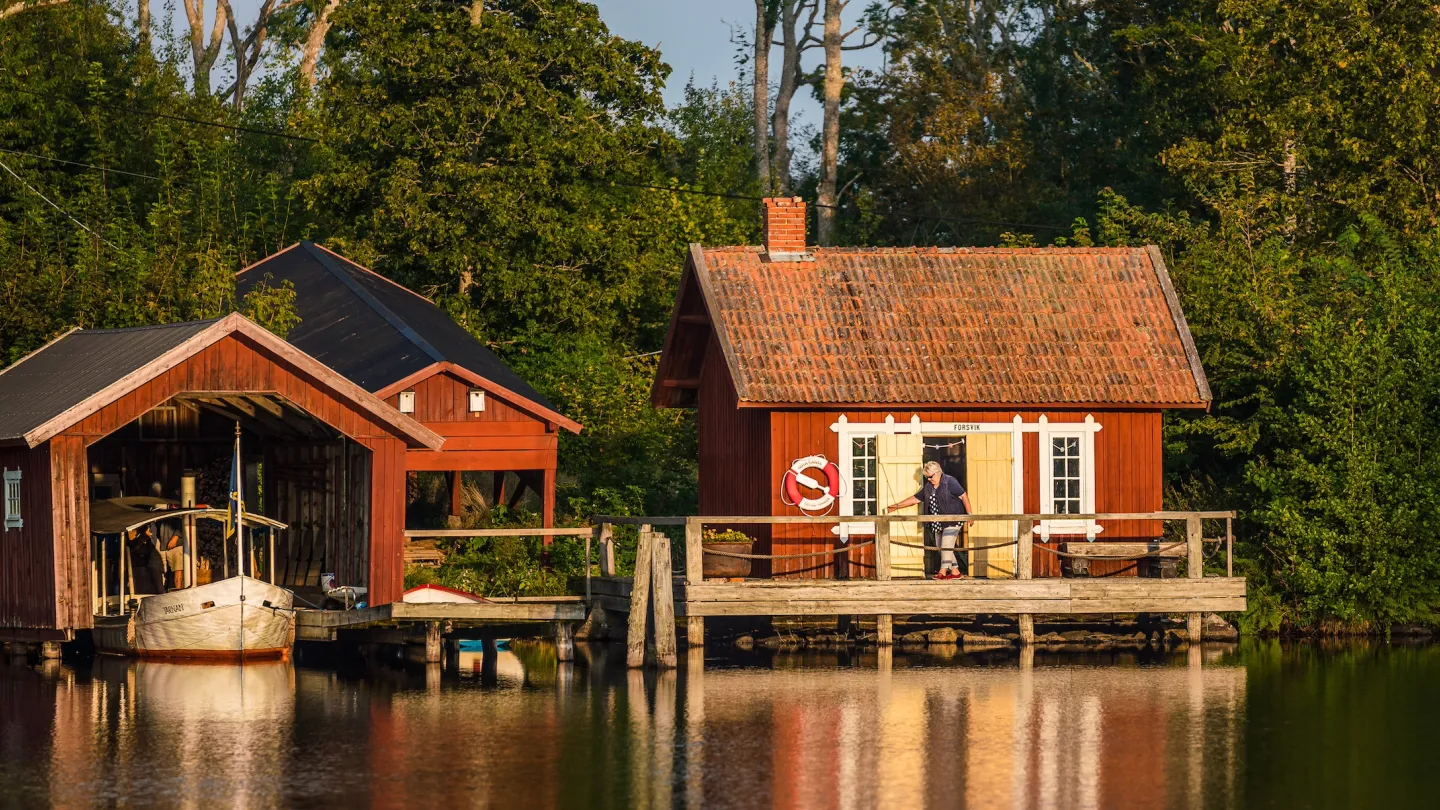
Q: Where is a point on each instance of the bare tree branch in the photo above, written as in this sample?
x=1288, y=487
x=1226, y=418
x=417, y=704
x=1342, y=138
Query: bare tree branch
x=16, y=8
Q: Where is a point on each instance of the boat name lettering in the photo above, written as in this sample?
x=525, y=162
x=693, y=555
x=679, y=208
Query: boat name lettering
x=174, y=609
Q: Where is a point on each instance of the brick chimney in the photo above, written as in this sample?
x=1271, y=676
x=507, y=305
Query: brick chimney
x=784, y=234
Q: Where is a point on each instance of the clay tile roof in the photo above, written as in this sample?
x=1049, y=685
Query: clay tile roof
x=961, y=325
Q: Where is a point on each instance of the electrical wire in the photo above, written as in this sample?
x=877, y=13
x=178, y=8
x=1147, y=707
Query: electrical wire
x=52, y=203
x=76, y=163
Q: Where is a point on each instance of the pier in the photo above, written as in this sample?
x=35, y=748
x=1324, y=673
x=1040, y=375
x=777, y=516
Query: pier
x=687, y=595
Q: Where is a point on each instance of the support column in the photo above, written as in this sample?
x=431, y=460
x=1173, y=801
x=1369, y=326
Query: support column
x=547, y=497
x=564, y=641
x=1024, y=569
x=432, y=642
x=694, y=575
x=883, y=624
x=49, y=650
x=694, y=631
x=1194, y=569
x=456, y=480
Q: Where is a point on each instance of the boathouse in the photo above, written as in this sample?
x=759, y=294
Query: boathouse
x=401, y=347
x=824, y=377
x=104, y=413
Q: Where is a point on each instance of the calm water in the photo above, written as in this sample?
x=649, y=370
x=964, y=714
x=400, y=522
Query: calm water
x=1260, y=725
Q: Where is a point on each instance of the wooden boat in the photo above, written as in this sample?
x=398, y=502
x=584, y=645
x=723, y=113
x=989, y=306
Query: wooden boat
x=234, y=618
x=239, y=617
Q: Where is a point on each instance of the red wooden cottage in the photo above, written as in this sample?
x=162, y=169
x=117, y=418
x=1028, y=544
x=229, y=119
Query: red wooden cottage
x=401, y=347
x=98, y=414
x=1036, y=376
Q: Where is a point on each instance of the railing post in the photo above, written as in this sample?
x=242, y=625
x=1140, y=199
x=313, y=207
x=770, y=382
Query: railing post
x=662, y=597
x=694, y=575
x=607, y=551
x=1195, y=568
x=640, y=601
x=1229, y=548
x=883, y=625
x=1024, y=570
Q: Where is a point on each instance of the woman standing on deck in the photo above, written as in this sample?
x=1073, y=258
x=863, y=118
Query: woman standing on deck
x=941, y=494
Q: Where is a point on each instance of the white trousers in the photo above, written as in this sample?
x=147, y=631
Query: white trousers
x=949, y=536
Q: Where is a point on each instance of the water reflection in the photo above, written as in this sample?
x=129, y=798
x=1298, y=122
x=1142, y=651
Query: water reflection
x=802, y=730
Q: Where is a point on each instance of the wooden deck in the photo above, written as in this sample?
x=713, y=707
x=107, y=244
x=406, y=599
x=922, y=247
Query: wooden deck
x=796, y=597
x=322, y=625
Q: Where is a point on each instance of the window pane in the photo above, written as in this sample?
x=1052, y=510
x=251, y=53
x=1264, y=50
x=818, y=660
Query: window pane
x=1072, y=446
x=1074, y=468
x=1059, y=489
x=1059, y=468
x=1057, y=445
x=1074, y=488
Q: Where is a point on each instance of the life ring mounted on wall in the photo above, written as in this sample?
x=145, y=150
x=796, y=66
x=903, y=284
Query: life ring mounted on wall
x=798, y=476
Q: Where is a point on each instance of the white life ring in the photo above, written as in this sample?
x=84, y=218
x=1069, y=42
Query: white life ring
x=796, y=477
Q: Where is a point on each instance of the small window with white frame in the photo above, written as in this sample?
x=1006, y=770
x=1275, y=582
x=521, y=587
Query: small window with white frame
x=1065, y=481
x=862, y=478
x=13, y=519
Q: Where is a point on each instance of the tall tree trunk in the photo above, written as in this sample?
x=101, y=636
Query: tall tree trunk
x=142, y=23
x=764, y=32
x=830, y=134
x=315, y=40
x=477, y=11
x=791, y=44
x=242, y=72
x=202, y=55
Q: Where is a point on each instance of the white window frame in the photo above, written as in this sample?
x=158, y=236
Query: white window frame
x=1085, y=432
x=848, y=430
x=847, y=492
x=11, y=481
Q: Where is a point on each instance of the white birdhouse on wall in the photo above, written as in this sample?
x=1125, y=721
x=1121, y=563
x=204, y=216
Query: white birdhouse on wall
x=407, y=401
x=477, y=400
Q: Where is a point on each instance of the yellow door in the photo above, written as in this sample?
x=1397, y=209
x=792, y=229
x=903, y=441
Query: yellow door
x=897, y=462
x=989, y=467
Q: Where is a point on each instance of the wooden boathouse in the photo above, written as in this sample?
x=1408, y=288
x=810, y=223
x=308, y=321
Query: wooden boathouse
x=402, y=348
x=824, y=378
x=102, y=413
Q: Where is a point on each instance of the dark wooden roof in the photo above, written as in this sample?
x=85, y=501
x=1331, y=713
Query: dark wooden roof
x=85, y=369
x=974, y=326
x=372, y=330
x=77, y=366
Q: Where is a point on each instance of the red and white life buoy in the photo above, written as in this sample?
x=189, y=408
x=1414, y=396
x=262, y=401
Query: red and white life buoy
x=796, y=477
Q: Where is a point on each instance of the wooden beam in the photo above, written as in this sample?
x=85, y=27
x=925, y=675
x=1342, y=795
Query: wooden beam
x=698, y=319
x=479, y=460
x=691, y=383
x=664, y=601
x=639, y=602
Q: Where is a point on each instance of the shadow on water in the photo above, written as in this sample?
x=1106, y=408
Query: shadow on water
x=1258, y=725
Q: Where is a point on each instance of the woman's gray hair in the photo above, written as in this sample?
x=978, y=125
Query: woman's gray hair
x=931, y=467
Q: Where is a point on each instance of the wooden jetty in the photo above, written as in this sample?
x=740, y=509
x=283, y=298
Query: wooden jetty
x=689, y=595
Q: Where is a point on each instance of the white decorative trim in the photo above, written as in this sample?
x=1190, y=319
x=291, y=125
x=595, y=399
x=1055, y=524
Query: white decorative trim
x=1085, y=432
x=13, y=520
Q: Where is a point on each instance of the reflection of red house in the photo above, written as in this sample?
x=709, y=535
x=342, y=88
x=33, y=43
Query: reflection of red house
x=1037, y=376
x=399, y=346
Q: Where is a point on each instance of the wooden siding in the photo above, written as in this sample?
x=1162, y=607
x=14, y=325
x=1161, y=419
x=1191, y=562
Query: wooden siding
x=500, y=438
x=321, y=490
x=233, y=364
x=1128, y=477
x=28, y=596
x=734, y=444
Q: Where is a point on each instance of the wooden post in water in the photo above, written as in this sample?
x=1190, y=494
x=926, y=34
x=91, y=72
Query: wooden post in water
x=432, y=643
x=1024, y=571
x=663, y=598
x=564, y=641
x=694, y=575
x=1195, y=568
x=884, y=632
x=639, y=601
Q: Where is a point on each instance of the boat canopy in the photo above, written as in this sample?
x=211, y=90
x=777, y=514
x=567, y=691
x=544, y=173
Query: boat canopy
x=118, y=515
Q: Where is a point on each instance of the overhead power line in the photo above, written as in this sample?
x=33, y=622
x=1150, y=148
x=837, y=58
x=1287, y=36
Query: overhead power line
x=77, y=163
x=53, y=204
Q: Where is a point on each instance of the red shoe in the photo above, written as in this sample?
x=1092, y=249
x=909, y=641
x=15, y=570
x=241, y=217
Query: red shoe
x=943, y=575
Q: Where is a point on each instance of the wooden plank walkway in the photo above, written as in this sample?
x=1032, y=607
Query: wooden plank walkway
x=321, y=625
x=764, y=597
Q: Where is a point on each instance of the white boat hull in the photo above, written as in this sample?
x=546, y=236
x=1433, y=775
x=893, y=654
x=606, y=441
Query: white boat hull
x=239, y=617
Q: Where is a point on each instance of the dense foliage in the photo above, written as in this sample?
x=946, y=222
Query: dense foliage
x=496, y=156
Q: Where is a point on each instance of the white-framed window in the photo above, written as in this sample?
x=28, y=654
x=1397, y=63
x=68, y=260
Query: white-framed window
x=1065, y=474
x=13, y=520
x=862, y=476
